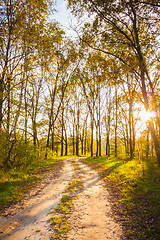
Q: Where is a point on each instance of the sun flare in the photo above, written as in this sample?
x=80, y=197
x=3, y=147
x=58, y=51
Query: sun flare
x=146, y=115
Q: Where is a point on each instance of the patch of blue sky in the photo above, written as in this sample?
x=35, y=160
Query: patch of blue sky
x=65, y=18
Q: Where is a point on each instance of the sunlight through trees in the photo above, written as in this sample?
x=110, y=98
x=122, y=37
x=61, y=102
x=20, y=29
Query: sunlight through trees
x=97, y=94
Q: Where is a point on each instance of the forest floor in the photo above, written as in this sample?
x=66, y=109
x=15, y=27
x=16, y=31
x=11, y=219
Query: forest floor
x=69, y=203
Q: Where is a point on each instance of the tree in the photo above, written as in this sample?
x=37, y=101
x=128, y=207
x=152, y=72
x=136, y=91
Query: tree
x=108, y=120
x=22, y=26
x=124, y=32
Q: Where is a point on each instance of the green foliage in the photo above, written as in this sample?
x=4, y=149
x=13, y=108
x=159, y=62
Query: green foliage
x=64, y=229
x=74, y=185
x=56, y=220
x=16, y=180
x=138, y=189
x=63, y=208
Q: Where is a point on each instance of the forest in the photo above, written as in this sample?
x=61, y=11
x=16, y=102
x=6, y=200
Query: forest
x=96, y=95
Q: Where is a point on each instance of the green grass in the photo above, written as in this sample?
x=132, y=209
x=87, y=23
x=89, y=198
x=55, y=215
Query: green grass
x=56, y=220
x=16, y=181
x=137, y=190
x=63, y=208
x=61, y=214
x=74, y=185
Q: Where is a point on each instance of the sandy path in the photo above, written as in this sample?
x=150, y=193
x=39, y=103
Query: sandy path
x=31, y=223
x=92, y=218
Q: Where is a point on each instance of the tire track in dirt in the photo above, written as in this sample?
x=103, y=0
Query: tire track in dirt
x=92, y=218
x=31, y=223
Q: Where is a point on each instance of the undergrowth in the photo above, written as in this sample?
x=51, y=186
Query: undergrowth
x=17, y=180
x=135, y=184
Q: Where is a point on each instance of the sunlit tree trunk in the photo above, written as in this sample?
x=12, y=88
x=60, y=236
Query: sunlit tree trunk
x=82, y=141
x=77, y=129
x=34, y=133
x=147, y=142
x=52, y=138
x=15, y=124
x=73, y=140
x=74, y=124
x=127, y=138
x=8, y=107
x=62, y=129
x=51, y=120
x=8, y=44
x=133, y=135
x=116, y=121
x=26, y=113
x=85, y=139
x=130, y=129
x=92, y=126
x=151, y=125
x=99, y=119
x=108, y=121
x=1, y=103
x=66, y=142
x=82, y=146
x=97, y=142
x=144, y=71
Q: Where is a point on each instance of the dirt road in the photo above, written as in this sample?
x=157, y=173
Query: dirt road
x=91, y=218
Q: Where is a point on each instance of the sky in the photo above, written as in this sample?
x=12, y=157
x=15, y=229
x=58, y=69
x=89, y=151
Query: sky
x=64, y=17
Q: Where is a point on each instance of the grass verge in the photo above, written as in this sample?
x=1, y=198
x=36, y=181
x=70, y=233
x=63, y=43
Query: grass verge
x=15, y=182
x=135, y=189
x=59, y=220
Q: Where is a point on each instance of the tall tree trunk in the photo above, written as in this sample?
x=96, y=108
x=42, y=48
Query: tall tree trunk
x=151, y=125
x=34, y=132
x=1, y=103
x=82, y=147
x=73, y=141
x=107, y=145
x=99, y=122
x=66, y=147
x=130, y=128
x=51, y=121
x=143, y=85
x=53, y=138
x=8, y=109
x=97, y=143
x=82, y=140
x=74, y=123
x=108, y=122
x=62, y=131
x=50, y=125
x=15, y=125
x=77, y=131
x=155, y=140
x=85, y=140
x=4, y=73
x=127, y=139
x=116, y=121
x=147, y=142
x=92, y=125
x=133, y=136
x=66, y=143
x=26, y=113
